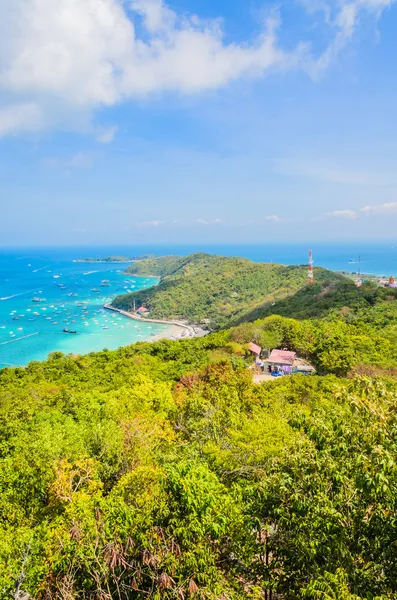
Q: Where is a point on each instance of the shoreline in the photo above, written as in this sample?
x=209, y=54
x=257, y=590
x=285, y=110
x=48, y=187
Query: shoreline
x=189, y=331
x=105, y=262
x=142, y=276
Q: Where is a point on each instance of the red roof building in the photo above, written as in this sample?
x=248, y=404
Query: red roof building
x=255, y=349
x=282, y=357
x=142, y=309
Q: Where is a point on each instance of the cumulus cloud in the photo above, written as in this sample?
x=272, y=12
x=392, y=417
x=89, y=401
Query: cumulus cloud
x=76, y=55
x=20, y=116
x=327, y=171
x=380, y=209
x=81, y=160
x=351, y=215
x=106, y=136
x=208, y=222
x=151, y=223
x=273, y=218
x=344, y=17
x=66, y=57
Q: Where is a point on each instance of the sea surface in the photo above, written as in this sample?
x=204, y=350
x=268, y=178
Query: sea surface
x=30, y=330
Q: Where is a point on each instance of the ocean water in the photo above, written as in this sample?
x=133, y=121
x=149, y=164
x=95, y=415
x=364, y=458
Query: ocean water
x=30, y=331
x=377, y=258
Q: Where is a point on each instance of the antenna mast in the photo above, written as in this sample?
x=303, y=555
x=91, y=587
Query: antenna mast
x=310, y=275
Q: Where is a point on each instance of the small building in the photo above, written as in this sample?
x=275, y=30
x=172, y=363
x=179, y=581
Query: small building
x=255, y=349
x=142, y=311
x=288, y=363
x=282, y=359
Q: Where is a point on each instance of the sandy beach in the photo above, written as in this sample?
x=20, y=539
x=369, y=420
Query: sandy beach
x=176, y=330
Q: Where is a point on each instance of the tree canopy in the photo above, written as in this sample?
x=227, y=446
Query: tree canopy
x=162, y=471
x=219, y=291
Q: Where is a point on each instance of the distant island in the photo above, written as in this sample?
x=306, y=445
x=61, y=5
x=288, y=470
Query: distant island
x=115, y=259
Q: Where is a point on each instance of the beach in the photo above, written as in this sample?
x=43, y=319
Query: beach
x=177, y=330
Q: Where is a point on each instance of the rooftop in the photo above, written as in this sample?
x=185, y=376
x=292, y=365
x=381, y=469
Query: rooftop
x=282, y=357
x=255, y=348
x=143, y=309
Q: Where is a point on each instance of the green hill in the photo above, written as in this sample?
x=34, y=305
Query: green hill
x=153, y=266
x=160, y=471
x=218, y=290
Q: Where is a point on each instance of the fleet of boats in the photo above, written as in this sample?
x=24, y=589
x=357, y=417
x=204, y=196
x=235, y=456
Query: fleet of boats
x=60, y=317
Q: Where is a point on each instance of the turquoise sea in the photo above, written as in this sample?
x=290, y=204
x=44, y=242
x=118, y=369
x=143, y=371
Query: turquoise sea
x=30, y=330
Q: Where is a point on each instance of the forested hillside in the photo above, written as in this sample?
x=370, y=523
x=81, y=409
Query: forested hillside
x=161, y=471
x=218, y=290
x=326, y=298
x=153, y=266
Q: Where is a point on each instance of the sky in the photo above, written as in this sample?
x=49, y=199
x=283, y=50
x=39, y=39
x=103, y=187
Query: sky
x=222, y=121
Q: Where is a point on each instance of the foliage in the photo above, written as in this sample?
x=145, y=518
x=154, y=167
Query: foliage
x=220, y=291
x=154, y=266
x=161, y=471
x=325, y=298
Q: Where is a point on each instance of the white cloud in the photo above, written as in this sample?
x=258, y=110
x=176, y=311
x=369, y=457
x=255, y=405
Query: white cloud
x=81, y=160
x=344, y=17
x=380, y=209
x=327, y=171
x=63, y=58
x=16, y=117
x=273, y=218
x=208, y=222
x=107, y=135
x=77, y=55
x=351, y=215
x=151, y=223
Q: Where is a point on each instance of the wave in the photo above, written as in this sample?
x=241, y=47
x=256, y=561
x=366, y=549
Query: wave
x=41, y=269
x=16, y=295
x=91, y=272
x=18, y=339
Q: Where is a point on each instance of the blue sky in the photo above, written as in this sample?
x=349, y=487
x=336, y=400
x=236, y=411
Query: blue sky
x=221, y=121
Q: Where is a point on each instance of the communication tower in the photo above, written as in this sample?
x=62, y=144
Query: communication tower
x=310, y=275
